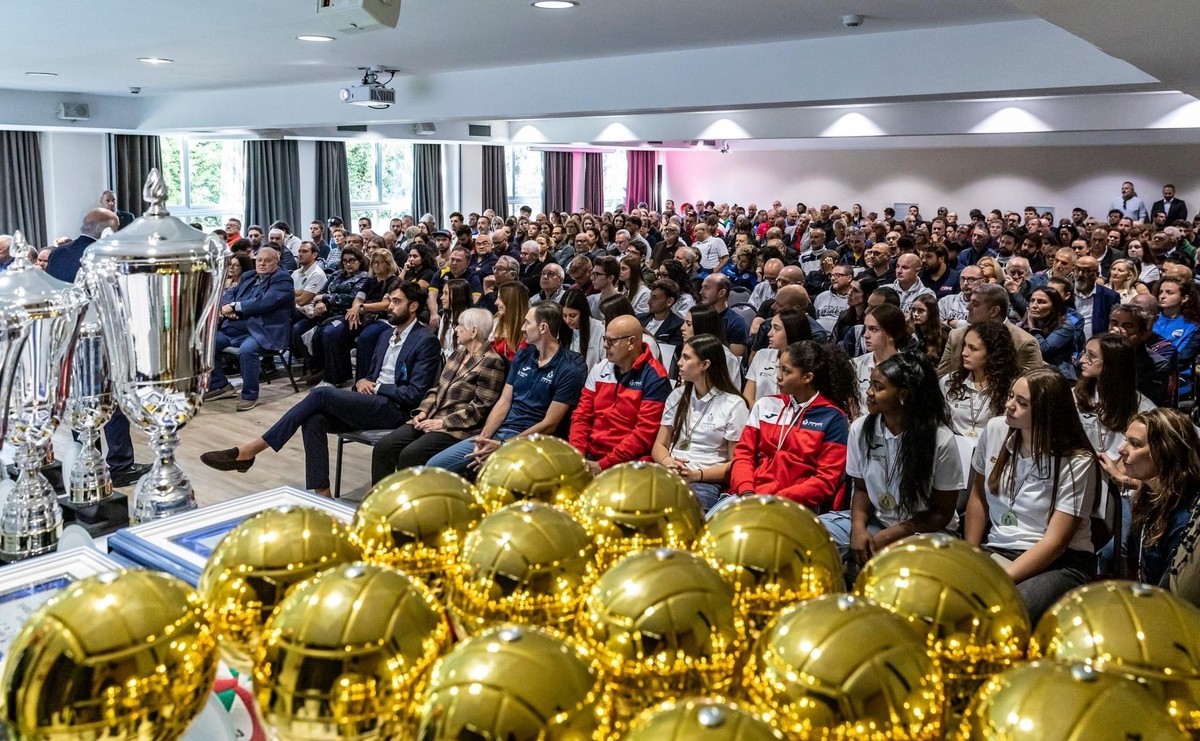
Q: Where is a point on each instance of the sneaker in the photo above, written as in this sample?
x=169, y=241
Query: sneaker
x=219, y=393
x=246, y=405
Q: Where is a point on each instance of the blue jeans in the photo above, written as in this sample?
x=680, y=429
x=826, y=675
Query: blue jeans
x=708, y=494
x=368, y=338
x=235, y=334
x=456, y=457
x=838, y=525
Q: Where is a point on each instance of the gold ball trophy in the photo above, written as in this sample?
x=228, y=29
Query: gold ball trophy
x=539, y=467
x=123, y=656
x=701, y=719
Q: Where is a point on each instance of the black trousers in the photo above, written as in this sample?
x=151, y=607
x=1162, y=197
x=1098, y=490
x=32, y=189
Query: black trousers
x=405, y=447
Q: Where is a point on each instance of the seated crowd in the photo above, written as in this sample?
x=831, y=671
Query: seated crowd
x=1007, y=379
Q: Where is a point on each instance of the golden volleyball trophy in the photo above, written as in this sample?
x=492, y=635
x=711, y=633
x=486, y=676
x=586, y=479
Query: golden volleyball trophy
x=1047, y=700
x=345, y=654
x=527, y=563
x=638, y=506
x=415, y=520
x=120, y=656
x=540, y=467
x=253, y=567
x=662, y=624
x=700, y=719
x=774, y=552
x=961, y=601
x=513, y=683
x=1133, y=630
x=839, y=667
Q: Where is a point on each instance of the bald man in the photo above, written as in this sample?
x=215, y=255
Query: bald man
x=618, y=414
x=766, y=287
x=1093, y=301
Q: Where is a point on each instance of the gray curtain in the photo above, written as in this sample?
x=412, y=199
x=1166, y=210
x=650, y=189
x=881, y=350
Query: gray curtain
x=427, y=181
x=333, y=182
x=495, y=187
x=130, y=159
x=272, y=173
x=558, y=175
x=593, y=182
x=22, y=200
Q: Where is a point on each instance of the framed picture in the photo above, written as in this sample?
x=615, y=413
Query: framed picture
x=26, y=585
x=181, y=545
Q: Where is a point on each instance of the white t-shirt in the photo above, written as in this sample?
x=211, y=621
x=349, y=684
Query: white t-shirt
x=829, y=306
x=863, y=365
x=971, y=413
x=880, y=468
x=684, y=305
x=764, y=371
x=641, y=300
x=595, y=343
x=714, y=424
x=1019, y=522
x=952, y=308
x=314, y=280
x=712, y=250
x=734, y=364
x=1103, y=439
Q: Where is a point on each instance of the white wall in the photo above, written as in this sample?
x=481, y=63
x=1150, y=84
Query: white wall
x=471, y=177
x=74, y=173
x=961, y=179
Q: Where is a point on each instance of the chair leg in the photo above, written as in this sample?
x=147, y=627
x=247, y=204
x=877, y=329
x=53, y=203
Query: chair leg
x=287, y=364
x=337, y=469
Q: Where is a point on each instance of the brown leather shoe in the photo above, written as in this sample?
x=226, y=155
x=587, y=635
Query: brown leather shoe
x=226, y=460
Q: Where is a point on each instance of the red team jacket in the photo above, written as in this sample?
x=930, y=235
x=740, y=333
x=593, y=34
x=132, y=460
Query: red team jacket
x=618, y=416
x=801, y=458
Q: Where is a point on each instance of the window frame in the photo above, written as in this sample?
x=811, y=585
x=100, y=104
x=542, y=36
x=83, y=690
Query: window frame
x=209, y=214
x=379, y=209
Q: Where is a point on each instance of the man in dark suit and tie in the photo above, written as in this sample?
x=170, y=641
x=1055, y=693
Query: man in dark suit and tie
x=1174, y=208
x=64, y=265
x=405, y=365
x=258, y=317
x=108, y=201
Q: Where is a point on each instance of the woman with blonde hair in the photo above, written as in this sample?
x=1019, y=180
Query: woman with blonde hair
x=512, y=303
x=1123, y=277
x=991, y=270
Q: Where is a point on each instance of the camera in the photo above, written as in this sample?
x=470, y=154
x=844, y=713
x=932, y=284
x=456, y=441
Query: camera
x=852, y=21
x=135, y=90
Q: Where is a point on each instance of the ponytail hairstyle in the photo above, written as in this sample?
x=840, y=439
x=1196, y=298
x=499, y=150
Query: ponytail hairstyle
x=833, y=376
x=574, y=299
x=913, y=374
x=795, y=325
x=707, y=347
x=891, y=320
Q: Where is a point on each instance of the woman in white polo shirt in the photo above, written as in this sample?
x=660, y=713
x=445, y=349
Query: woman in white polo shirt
x=702, y=421
x=788, y=326
x=903, y=460
x=1032, y=501
x=885, y=331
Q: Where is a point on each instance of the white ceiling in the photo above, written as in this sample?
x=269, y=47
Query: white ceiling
x=94, y=46
x=621, y=72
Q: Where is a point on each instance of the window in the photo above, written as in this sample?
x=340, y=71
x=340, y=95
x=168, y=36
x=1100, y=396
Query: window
x=381, y=178
x=616, y=171
x=524, y=172
x=204, y=179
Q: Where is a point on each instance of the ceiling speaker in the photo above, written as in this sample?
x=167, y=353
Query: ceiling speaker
x=74, y=111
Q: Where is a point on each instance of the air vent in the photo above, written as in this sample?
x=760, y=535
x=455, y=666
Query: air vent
x=424, y=129
x=479, y=130
x=356, y=128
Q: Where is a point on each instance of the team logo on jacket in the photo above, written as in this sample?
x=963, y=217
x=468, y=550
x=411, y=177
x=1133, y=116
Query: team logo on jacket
x=814, y=424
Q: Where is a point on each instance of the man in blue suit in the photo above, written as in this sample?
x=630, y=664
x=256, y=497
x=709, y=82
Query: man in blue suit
x=258, y=317
x=64, y=264
x=405, y=365
x=1094, y=302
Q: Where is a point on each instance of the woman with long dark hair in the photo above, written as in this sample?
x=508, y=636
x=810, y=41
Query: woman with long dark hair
x=672, y=269
x=1035, y=492
x=421, y=265
x=885, y=332
x=1046, y=320
x=978, y=390
x=587, y=332
x=856, y=307
x=702, y=421
x=903, y=460
x=1161, y=456
x=330, y=343
x=632, y=284
x=456, y=298
x=704, y=319
x=512, y=303
x=927, y=324
x=1107, y=396
x=794, y=444
x=786, y=328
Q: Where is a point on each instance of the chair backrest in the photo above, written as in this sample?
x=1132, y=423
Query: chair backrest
x=739, y=295
x=746, y=312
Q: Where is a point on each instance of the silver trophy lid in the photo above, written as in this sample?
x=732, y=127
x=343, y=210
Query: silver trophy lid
x=156, y=236
x=26, y=291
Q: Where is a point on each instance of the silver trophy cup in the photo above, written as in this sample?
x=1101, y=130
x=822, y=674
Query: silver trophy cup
x=89, y=407
x=31, y=519
x=157, y=287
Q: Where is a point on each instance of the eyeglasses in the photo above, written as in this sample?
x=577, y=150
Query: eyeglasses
x=350, y=259
x=966, y=279
x=610, y=341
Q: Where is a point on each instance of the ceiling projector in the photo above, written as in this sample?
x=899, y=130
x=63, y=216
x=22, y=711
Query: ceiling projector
x=370, y=92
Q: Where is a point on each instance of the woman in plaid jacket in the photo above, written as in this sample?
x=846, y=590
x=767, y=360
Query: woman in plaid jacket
x=455, y=408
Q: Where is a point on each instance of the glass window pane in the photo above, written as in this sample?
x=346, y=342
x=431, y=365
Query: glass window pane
x=232, y=182
x=525, y=184
x=616, y=170
x=172, y=157
x=360, y=158
x=204, y=172
x=397, y=176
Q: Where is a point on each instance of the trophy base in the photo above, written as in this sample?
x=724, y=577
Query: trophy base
x=27, y=545
x=99, y=519
x=53, y=471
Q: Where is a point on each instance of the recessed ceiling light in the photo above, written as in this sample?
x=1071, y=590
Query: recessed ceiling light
x=42, y=74
x=314, y=37
x=555, y=4
x=155, y=60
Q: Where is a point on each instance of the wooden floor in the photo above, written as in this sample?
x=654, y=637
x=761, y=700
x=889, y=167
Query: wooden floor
x=218, y=426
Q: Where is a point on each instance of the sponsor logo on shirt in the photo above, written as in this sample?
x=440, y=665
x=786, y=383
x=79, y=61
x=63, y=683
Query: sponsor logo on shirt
x=813, y=424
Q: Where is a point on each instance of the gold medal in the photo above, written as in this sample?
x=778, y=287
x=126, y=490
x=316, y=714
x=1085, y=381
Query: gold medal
x=973, y=432
x=887, y=502
x=1009, y=519
x=684, y=444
